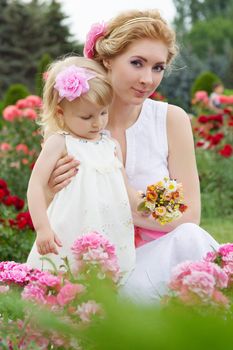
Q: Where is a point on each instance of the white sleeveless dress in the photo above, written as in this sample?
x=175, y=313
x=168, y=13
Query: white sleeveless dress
x=95, y=200
x=146, y=163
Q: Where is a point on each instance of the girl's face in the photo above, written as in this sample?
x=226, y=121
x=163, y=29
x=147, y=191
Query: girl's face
x=136, y=73
x=83, y=118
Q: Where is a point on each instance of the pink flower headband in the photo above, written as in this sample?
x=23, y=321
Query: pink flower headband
x=97, y=30
x=72, y=82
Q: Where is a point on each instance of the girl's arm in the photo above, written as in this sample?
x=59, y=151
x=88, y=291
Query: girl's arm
x=61, y=175
x=182, y=167
x=52, y=150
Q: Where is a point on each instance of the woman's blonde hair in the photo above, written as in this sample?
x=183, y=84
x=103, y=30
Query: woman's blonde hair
x=100, y=92
x=131, y=26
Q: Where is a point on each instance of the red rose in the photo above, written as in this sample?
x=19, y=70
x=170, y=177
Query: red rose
x=203, y=119
x=9, y=200
x=19, y=203
x=31, y=166
x=12, y=222
x=215, y=139
x=2, y=194
x=200, y=143
x=14, y=200
x=3, y=184
x=226, y=151
x=182, y=208
x=23, y=220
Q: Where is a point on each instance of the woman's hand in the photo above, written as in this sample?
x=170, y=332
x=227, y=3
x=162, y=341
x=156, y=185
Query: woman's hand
x=65, y=169
x=47, y=242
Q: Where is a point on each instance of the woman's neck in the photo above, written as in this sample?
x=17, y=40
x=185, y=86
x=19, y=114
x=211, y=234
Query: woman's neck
x=122, y=115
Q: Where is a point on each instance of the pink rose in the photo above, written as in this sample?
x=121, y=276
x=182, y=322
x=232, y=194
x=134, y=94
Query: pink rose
x=86, y=310
x=97, y=30
x=5, y=146
x=22, y=103
x=11, y=112
x=49, y=280
x=68, y=292
x=200, y=283
x=34, y=101
x=21, y=147
x=29, y=113
x=225, y=249
x=195, y=282
x=72, y=82
x=34, y=292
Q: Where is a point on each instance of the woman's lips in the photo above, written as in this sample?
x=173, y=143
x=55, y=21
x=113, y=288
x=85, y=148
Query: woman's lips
x=141, y=92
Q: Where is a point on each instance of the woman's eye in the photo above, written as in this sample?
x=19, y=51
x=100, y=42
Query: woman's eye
x=136, y=63
x=159, y=68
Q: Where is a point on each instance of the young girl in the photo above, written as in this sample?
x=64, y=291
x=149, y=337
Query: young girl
x=75, y=111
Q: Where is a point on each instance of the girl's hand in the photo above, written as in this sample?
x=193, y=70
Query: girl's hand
x=47, y=242
x=65, y=169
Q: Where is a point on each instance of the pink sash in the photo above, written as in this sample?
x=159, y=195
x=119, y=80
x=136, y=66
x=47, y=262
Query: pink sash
x=143, y=235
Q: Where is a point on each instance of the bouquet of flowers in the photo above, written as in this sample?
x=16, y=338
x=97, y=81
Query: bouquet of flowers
x=164, y=200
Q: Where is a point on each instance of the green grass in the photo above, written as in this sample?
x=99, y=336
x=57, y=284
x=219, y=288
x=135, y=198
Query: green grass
x=220, y=228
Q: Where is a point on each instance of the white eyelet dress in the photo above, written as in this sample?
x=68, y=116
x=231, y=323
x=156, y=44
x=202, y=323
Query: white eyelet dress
x=146, y=163
x=95, y=200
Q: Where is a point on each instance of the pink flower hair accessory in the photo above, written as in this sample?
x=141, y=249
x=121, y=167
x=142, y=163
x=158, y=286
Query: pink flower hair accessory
x=97, y=30
x=72, y=82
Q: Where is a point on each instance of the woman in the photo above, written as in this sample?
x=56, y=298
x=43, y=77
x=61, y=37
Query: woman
x=156, y=141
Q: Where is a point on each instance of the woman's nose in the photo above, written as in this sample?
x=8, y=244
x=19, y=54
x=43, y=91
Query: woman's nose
x=146, y=77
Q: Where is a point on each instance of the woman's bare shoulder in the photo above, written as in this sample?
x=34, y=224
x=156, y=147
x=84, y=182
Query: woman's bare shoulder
x=176, y=116
x=179, y=128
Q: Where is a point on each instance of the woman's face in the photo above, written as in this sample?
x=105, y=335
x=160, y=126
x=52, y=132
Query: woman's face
x=136, y=73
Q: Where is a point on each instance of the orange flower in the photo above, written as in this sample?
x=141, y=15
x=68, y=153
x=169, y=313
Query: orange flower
x=175, y=195
x=151, y=196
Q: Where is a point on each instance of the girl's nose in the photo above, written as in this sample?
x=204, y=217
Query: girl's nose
x=96, y=122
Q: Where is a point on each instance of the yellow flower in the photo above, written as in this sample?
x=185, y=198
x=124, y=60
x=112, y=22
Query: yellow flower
x=160, y=211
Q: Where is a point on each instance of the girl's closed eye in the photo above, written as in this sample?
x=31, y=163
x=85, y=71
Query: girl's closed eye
x=104, y=112
x=86, y=117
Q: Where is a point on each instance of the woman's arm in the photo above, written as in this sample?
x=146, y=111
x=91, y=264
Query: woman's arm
x=182, y=162
x=182, y=167
x=52, y=150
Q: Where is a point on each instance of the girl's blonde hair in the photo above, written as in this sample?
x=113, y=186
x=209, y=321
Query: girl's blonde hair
x=100, y=92
x=130, y=26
